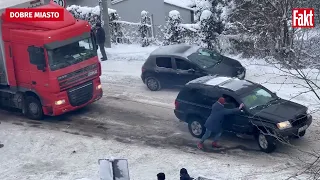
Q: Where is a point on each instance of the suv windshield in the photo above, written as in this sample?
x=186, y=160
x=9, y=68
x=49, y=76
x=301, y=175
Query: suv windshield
x=205, y=58
x=258, y=97
x=70, y=54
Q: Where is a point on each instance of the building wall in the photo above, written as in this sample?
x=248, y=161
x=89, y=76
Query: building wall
x=186, y=14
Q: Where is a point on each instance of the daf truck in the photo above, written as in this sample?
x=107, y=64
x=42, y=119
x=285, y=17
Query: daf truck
x=47, y=68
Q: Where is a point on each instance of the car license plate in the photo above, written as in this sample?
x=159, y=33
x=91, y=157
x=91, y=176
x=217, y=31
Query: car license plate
x=302, y=128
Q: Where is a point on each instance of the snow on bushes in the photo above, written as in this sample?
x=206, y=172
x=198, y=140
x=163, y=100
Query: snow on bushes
x=145, y=28
x=173, y=30
x=92, y=15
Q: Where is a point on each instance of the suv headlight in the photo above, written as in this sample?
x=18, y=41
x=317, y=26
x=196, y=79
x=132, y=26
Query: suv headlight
x=284, y=125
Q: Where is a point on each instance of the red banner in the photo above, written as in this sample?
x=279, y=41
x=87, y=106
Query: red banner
x=37, y=14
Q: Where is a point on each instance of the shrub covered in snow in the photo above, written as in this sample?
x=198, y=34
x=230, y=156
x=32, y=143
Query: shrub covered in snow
x=145, y=28
x=92, y=15
x=173, y=31
x=208, y=33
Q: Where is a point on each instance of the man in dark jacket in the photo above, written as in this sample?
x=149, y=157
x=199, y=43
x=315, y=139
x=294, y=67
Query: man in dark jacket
x=101, y=38
x=161, y=176
x=214, y=122
x=184, y=175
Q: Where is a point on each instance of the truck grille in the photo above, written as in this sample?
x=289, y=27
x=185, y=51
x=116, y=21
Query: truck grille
x=75, y=77
x=300, y=119
x=81, y=94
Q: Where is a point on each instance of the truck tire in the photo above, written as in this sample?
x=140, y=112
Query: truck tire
x=196, y=127
x=266, y=143
x=34, y=108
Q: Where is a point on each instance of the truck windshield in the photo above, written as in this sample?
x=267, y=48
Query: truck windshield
x=70, y=54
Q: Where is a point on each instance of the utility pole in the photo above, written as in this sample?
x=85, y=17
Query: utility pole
x=104, y=14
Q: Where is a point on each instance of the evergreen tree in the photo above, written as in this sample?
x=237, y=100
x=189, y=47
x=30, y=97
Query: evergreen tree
x=144, y=28
x=173, y=30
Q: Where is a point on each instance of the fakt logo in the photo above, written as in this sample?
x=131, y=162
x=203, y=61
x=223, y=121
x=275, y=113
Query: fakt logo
x=302, y=17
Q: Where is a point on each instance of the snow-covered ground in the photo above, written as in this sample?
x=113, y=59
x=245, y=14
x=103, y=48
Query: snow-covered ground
x=34, y=153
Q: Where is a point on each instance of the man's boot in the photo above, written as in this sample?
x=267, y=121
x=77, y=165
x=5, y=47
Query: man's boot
x=215, y=145
x=200, y=146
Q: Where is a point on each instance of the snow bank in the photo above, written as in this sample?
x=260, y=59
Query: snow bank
x=174, y=14
x=33, y=153
x=83, y=10
x=191, y=27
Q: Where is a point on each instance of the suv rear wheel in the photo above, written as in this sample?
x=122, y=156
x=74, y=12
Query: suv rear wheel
x=153, y=83
x=196, y=127
x=266, y=143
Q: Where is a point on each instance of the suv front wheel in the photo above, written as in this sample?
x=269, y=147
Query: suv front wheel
x=196, y=127
x=266, y=143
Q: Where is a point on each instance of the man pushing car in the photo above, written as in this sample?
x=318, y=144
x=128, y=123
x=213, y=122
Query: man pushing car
x=214, y=122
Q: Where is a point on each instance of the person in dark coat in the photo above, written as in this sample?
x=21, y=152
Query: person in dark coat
x=184, y=175
x=214, y=122
x=101, y=38
x=161, y=176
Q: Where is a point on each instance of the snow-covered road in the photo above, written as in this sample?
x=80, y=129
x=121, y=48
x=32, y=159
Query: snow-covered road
x=135, y=123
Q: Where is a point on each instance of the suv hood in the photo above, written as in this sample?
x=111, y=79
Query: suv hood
x=280, y=111
x=227, y=67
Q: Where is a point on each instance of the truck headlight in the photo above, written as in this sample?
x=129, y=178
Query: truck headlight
x=284, y=125
x=98, y=87
x=60, y=102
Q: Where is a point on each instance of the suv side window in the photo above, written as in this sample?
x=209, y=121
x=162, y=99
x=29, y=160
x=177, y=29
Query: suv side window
x=191, y=95
x=164, y=62
x=230, y=102
x=182, y=64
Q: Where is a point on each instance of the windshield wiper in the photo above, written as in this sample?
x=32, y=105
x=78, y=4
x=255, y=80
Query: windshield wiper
x=257, y=106
x=273, y=100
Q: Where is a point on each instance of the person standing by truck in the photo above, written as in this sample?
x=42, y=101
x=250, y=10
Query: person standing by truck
x=101, y=38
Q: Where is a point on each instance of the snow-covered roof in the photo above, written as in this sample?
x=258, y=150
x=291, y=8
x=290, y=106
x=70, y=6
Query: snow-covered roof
x=186, y=4
x=10, y=3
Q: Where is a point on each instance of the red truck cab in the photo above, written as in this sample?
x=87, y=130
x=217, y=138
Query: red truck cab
x=47, y=67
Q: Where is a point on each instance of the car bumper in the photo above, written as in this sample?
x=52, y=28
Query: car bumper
x=242, y=75
x=142, y=78
x=55, y=110
x=180, y=115
x=294, y=131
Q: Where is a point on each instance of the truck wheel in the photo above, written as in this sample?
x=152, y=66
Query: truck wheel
x=196, y=127
x=153, y=83
x=266, y=143
x=33, y=108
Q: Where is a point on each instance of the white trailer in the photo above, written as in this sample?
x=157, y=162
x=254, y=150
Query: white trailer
x=11, y=4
